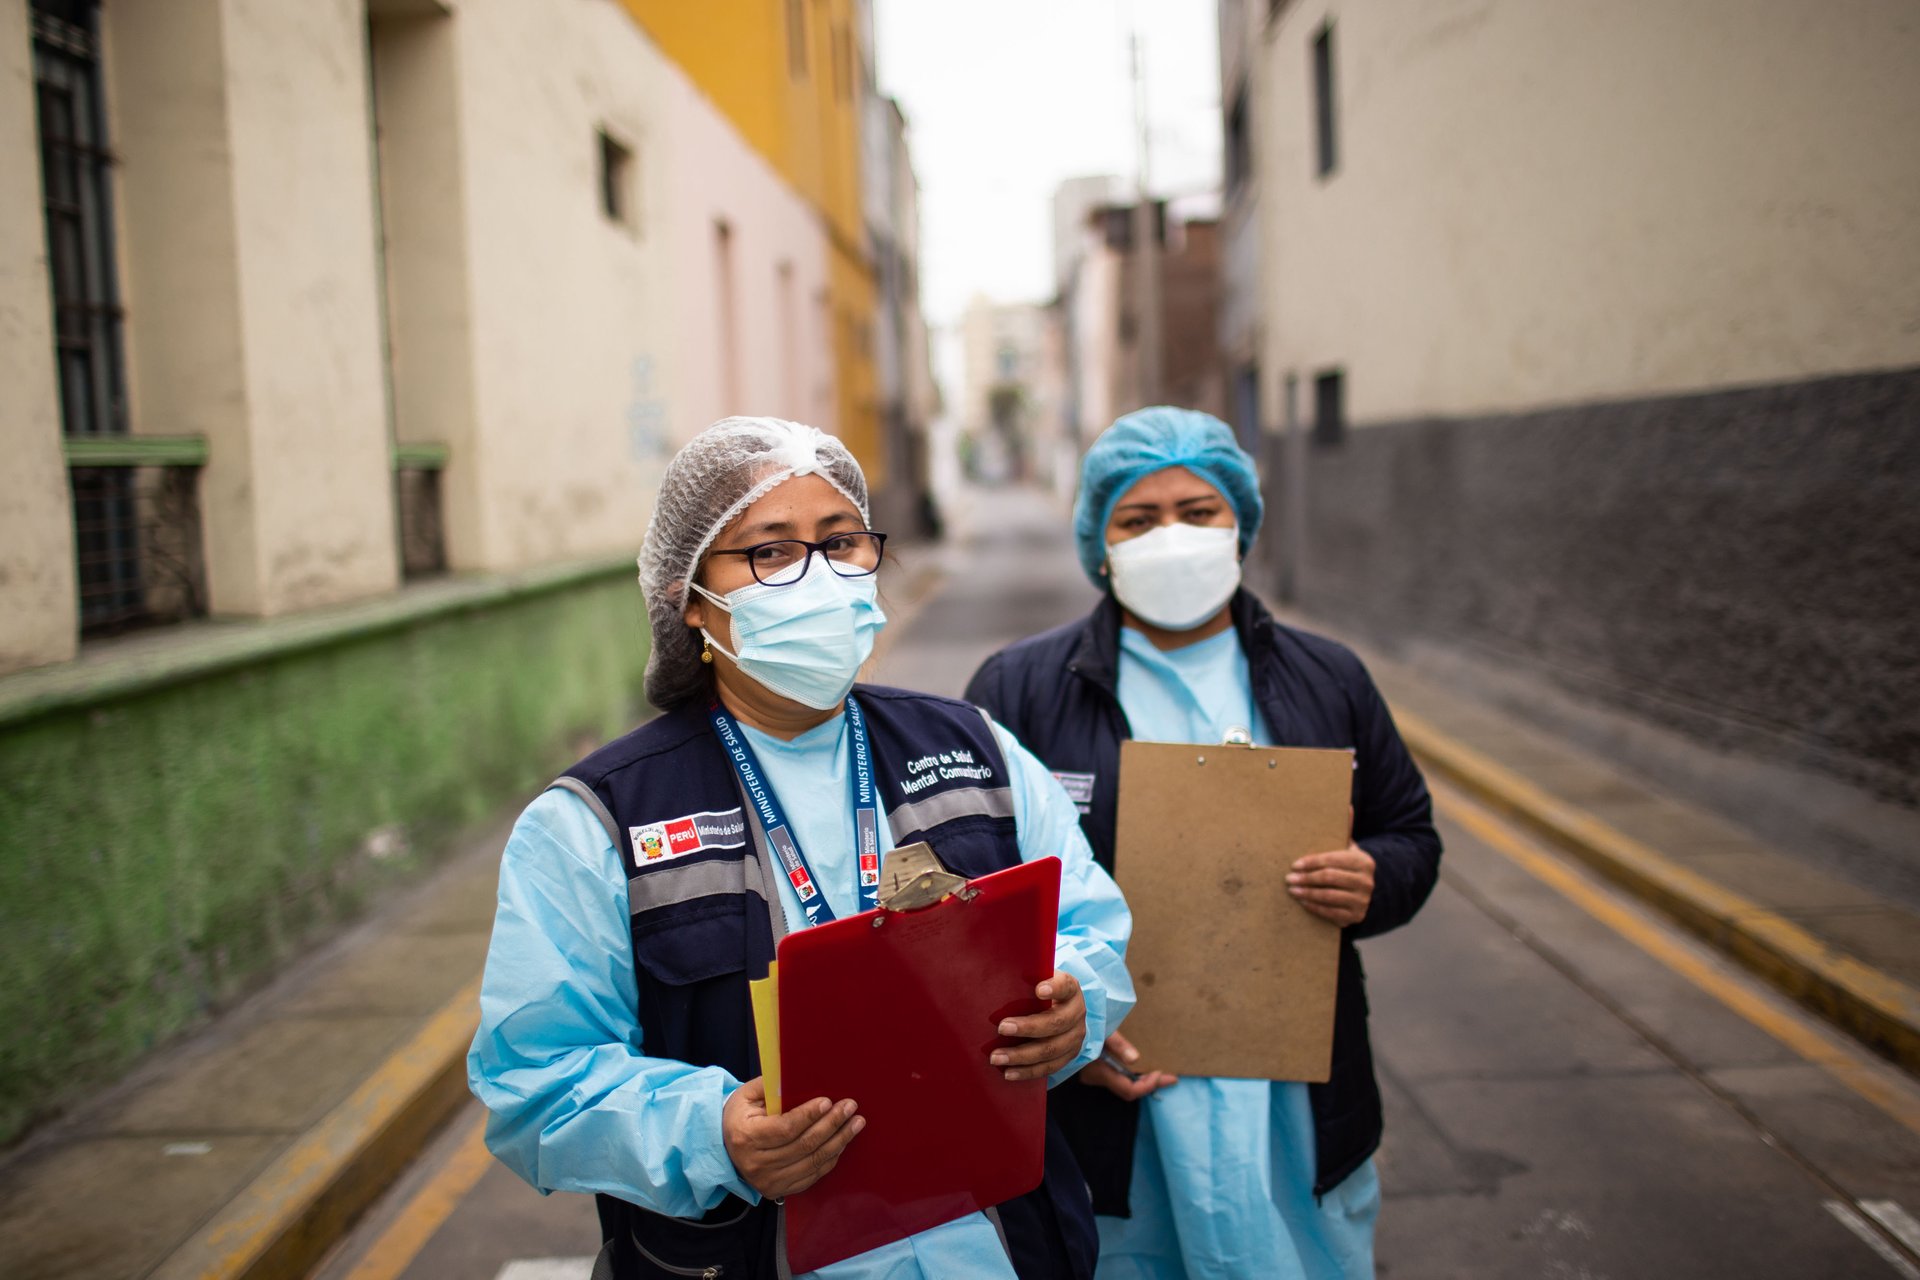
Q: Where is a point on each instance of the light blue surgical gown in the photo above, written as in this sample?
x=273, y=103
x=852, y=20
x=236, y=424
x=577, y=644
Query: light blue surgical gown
x=1223, y=1170
x=575, y=1102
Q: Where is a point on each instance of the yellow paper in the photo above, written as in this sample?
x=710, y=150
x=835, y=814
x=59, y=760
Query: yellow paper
x=765, y=993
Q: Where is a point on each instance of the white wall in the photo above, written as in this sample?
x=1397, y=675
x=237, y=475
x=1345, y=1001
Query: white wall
x=310, y=305
x=572, y=312
x=1540, y=203
x=1096, y=317
x=426, y=259
x=38, y=618
x=782, y=341
x=245, y=195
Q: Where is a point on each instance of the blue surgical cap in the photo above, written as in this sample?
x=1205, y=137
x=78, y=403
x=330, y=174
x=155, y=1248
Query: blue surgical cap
x=1150, y=440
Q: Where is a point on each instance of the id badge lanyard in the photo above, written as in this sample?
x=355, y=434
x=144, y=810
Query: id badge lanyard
x=779, y=833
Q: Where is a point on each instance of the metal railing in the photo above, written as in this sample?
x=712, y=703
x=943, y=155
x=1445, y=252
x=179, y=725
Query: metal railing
x=138, y=548
x=416, y=485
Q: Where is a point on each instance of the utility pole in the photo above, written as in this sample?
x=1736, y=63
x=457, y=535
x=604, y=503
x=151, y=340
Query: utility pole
x=1146, y=247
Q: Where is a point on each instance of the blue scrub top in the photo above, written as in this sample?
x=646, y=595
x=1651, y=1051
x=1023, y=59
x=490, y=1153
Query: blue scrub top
x=575, y=1102
x=1223, y=1170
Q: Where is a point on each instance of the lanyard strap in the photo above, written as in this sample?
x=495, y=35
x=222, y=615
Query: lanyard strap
x=773, y=819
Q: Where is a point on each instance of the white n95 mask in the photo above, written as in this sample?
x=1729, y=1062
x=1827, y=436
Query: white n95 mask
x=805, y=641
x=1176, y=576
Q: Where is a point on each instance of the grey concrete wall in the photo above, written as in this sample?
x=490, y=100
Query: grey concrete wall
x=1741, y=565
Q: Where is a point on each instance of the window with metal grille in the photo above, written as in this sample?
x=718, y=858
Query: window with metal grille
x=75, y=167
x=423, y=539
x=136, y=511
x=137, y=545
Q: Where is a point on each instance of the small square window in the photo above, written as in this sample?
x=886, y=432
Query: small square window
x=616, y=182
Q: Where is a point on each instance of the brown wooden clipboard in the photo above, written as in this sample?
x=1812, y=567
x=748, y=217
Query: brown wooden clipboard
x=1234, y=977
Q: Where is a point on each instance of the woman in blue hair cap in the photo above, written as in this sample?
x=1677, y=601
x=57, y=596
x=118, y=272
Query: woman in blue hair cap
x=1209, y=1177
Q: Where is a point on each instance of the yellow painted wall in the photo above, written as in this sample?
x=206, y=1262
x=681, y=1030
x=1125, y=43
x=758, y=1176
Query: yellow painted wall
x=806, y=123
x=856, y=302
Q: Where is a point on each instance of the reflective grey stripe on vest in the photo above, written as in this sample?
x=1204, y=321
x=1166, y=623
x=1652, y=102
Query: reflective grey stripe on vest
x=672, y=883
x=961, y=802
x=668, y=884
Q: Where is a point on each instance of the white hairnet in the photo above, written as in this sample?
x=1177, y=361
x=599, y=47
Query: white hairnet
x=715, y=476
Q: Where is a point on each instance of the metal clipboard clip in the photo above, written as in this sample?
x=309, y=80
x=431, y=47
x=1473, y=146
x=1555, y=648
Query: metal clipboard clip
x=1234, y=737
x=912, y=878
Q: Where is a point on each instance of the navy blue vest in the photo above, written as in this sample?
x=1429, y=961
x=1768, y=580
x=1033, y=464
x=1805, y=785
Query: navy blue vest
x=705, y=915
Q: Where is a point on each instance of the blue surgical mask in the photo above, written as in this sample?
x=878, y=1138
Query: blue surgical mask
x=805, y=641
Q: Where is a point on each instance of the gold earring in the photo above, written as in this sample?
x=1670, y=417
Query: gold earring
x=706, y=652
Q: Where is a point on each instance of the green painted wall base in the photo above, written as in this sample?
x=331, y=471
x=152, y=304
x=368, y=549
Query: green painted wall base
x=182, y=815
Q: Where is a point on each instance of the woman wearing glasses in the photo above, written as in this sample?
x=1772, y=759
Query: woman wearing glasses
x=641, y=892
x=1204, y=1177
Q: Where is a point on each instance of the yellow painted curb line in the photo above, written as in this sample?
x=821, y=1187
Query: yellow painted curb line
x=1882, y=1011
x=389, y=1256
x=291, y=1214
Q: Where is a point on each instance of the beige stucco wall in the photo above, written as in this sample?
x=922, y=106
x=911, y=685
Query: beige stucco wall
x=309, y=296
x=1096, y=302
x=244, y=191
x=784, y=363
x=179, y=263
x=571, y=313
x=1544, y=203
x=38, y=621
x=425, y=261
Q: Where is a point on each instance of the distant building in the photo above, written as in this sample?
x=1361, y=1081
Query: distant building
x=1240, y=335
x=1072, y=201
x=1595, y=330
x=1098, y=313
x=1004, y=412
x=903, y=360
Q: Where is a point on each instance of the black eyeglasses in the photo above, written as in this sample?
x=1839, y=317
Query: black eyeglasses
x=783, y=563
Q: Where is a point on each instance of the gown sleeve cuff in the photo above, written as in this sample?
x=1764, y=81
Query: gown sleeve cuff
x=1093, y=991
x=709, y=1168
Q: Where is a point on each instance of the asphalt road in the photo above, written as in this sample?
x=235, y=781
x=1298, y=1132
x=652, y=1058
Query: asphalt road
x=1574, y=1091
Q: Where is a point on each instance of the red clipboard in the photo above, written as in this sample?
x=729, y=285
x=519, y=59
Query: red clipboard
x=898, y=1011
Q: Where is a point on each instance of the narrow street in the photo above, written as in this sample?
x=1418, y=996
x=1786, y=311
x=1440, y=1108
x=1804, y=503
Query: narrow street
x=1574, y=1090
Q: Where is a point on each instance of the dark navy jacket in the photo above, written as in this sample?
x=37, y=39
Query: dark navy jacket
x=705, y=913
x=1059, y=694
